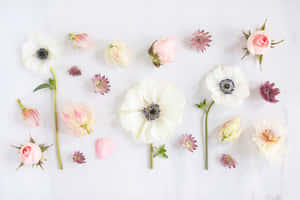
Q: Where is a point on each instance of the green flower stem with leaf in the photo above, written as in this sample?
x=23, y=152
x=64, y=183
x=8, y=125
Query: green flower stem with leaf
x=157, y=151
x=52, y=85
x=206, y=110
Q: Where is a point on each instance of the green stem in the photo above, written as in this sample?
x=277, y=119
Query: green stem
x=151, y=156
x=206, y=135
x=21, y=105
x=55, y=120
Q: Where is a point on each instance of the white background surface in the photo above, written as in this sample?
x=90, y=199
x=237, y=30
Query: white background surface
x=126, y=175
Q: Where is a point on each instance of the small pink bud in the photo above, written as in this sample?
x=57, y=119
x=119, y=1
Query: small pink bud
x=81, y=40
x=31, y=116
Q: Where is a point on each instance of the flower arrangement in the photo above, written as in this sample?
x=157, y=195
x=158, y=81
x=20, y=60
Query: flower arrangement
x=258, y=43
x=151, y=111
x=31, y=153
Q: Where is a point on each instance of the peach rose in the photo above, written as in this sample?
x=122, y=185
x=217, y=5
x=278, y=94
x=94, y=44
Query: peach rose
x=163, y=51
x=30, y=154
x=258, y=43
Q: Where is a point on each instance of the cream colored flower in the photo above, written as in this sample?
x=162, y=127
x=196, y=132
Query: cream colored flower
x=231, y=130
x=270, y=139
x=117, y=53
x=151, y=111
x=40, y=52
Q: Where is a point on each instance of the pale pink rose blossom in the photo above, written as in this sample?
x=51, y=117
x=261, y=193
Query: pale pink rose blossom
x=258, y=43
x=79, y=119
x=81, y=40
x=31, y=116
x=163, y=51
x=30, y=154
x=105, y=147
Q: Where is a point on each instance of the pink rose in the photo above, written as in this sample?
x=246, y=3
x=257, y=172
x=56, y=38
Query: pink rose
x=258, y=43
x=30, y=154
x=81, y=40
x=163, y=51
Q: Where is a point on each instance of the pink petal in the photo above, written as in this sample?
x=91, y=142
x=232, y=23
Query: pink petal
x=105, y=147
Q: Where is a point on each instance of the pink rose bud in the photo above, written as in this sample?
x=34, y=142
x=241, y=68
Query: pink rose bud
x=162, y=51
x=105, y=147
x=30, y=154
x=81, y=40
x=30, y=116
x=258, y=43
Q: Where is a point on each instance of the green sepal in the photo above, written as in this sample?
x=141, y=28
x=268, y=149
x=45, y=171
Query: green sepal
x=44, y=147
x=20, y=165
x=263, y=27
x=32, y=140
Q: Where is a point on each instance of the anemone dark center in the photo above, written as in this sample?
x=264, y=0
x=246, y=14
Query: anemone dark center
x=42, y=53
x=152, y=112
x=227, y=86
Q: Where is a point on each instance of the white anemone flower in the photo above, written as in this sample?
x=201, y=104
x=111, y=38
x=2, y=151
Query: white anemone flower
x=40, y=52
x=270, y=139
x=151, y=111
x=227, y=85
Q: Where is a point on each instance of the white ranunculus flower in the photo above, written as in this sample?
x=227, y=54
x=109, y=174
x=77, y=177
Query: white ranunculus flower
x=40, y=52
x=227, y=85
x=117, y=53
x=151, y=111
x=270, y=139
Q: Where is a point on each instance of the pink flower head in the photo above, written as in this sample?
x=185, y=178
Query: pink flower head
x=101, y=84
x=258, y=43
x=228, y=161
x=79, y=119
x=79, y=158
x=30, y=154
x=268, y=92
x=188, y=142
x=30, y=116
x=105, y=147
x=74, y=71
x=81, y=40
x=200, y=40
x=162, y=51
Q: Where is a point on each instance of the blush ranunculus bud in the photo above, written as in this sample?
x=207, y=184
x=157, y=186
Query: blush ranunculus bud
x=162, y=51
x=30, y=154
x=79, y=119
x=117, y=53
x=31, y=116
x=81, y=40
x=231, y=130
x=258, y=43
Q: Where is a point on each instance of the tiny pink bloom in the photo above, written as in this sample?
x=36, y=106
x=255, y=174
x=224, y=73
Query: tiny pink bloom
x=258, y=43
x=268, y=92
x=200, y=40
x=228, y=161
x=105, y=147
x=81, y=40
x=188, y=142
x=79, y=158
x=79, y=119
x=101, y=84
x=30, y=154
x=31, y=116
x=162, y=51
x=74, y=71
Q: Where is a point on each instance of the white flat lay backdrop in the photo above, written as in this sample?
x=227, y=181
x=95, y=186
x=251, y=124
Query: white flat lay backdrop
x=126, y=174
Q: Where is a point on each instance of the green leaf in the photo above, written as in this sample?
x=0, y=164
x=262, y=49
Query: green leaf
x=161, y=151
x=246, y=35
x=42, y=86
x=17, y=147
x=20, y=165
x=32, y=140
